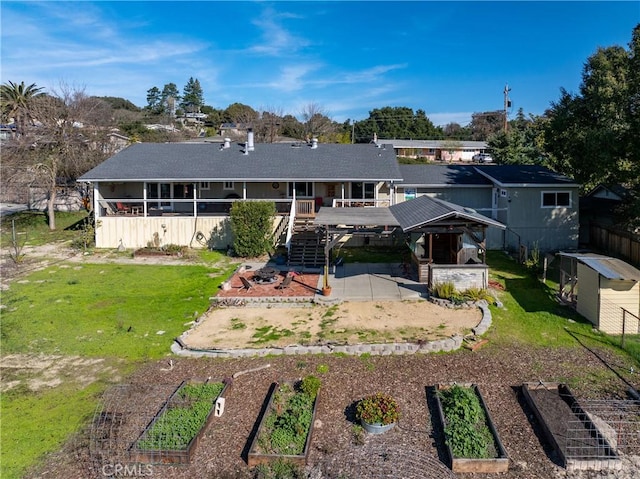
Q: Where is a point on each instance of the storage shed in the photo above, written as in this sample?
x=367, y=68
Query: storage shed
x=604, y=290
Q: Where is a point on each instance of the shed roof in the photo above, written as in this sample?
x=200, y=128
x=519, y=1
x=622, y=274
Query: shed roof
x=610, y=268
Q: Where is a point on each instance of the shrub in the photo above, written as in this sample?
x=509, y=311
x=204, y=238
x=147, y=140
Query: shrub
x=378, y=408
x=310, y=385
x=476, y=294
x=252, y=225
x=444, y=290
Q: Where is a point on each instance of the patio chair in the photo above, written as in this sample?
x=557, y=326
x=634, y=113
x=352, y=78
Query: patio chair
x=246, y=284
x=286, y=283
x=122, y=208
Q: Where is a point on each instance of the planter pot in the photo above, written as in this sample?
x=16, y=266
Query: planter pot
x=376, y=428
x=139, y=453
x=500, y=463
x=326, y=291
x=257, y=456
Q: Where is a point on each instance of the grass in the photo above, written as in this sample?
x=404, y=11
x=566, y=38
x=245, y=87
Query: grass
x=33, y=226
x=89, y=310
x=104, y=309
x=373, y=254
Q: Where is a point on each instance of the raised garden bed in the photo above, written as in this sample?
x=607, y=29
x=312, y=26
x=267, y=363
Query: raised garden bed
x=574, y=435
x=172, y=436
x=286, y=427
x=471, y=439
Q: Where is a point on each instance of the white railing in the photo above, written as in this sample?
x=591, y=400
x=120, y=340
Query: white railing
x=359, y=203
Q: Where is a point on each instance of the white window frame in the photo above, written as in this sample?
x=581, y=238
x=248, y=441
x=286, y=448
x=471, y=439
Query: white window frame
x=555, y=204
x=205, y=185
x=228, y=185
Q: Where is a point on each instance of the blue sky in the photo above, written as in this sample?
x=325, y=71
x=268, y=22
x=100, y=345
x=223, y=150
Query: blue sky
x=449, y=59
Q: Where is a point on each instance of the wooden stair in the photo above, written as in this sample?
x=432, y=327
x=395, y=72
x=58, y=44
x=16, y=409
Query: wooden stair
x=307, y=246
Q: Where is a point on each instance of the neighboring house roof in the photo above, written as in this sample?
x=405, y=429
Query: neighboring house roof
x=610, y=192
x=267, y=162
x=610, y=268
x=525, y=175
x=434, y=144
x=442, y=176
x=355, y=217
x=425, y=210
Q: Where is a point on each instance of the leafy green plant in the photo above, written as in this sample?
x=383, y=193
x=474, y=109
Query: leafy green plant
x=322, y=368
x=310, y=385
x=477, y=294
x=445, y=290
x=357, y=432
x=183, y=418
x=287, y=424
x=252, y=225
x=378, y=408
x=466, y=431
x=279, y=469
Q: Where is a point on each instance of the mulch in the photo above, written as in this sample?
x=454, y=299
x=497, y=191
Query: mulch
x=414, y=447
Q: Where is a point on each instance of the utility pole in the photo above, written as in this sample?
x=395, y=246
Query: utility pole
x=507, y=104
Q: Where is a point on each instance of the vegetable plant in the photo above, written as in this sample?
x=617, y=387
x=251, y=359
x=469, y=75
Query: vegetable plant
x=183, y=418
x=378, y=408
x=466, y=431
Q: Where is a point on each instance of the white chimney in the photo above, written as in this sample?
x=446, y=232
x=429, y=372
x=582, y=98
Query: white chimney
x=375, y=137
x=250, y=146
x=314, y=143
x=227, y=143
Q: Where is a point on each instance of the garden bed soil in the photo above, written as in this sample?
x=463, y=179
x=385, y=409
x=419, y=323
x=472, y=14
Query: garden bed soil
x=500, y=463
x=256, y=456
x=414, y=446
x=574, y=436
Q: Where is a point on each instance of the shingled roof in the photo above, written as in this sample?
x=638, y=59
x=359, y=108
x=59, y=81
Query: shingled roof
x=267, y=162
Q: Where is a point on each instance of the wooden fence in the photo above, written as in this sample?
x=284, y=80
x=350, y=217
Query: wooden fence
x=619, y=243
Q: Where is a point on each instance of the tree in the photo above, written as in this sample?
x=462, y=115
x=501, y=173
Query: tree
x=17, y=101
x=485, y=124
x=192, y=96
x=451, y=146
x=70, y=138
x=240, y=114
x=396, y=122
x=292, y=127
x=521, y=144
x=316, y=123
x=154, y=100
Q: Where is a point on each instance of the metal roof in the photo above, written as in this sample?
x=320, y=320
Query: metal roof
x=355, y=217
x=433, y=144
x=424, y=211
x=267, y=162
x=610, y=268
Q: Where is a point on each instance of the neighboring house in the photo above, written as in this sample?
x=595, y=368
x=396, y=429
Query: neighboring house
x=436, y=150
x=598, y=207
x=538, y=207
x=181, y=193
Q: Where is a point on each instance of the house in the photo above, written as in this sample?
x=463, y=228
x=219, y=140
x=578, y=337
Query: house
x=181, y=193
x=538, y=206
x=451, y=151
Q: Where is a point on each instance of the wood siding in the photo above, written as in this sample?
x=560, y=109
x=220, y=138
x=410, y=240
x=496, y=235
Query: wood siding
x=616, y=295
x=588, y=294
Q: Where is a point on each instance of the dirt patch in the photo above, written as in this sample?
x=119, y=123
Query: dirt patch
x=38, y=372
x=346, y=323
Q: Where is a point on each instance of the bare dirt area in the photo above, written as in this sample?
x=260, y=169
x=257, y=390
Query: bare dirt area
x=351, y=322
x=412, y=450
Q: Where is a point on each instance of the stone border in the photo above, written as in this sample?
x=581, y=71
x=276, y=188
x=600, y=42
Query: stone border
x=377, y=349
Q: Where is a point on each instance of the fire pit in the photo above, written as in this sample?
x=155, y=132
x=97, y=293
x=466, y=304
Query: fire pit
x=266, y=275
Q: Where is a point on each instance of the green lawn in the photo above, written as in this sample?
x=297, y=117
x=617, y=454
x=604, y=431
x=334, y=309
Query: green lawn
x=123, y=314
x=32, y=227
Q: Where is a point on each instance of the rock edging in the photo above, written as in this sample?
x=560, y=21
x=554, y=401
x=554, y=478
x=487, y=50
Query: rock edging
x=453, y=343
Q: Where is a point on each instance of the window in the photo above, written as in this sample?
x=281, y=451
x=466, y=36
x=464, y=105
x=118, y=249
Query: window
x=205, y=185
x=303, y=189
x=363, y=191
x=553, y=199
x=227, y=185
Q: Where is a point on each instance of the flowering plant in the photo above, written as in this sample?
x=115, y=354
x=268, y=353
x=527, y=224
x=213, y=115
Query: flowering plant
x=378, y=408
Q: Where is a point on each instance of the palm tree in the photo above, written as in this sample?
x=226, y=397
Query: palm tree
x=17, y=102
